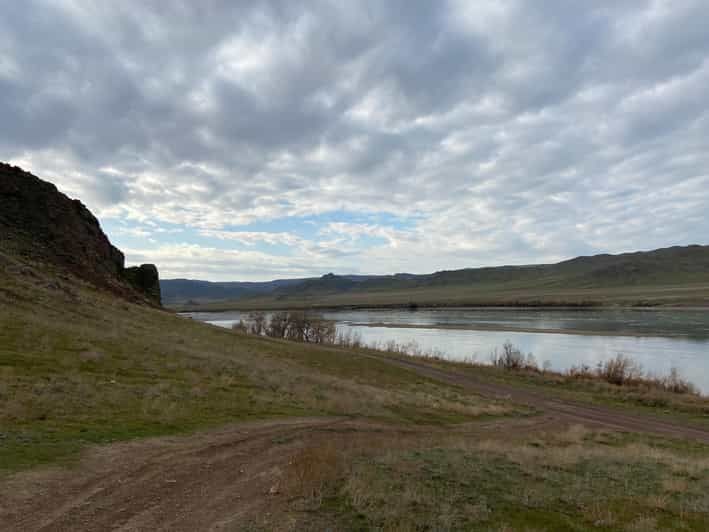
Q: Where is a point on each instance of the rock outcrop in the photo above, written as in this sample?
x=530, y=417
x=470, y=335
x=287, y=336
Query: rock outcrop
x=40, y=223
x=145, y=278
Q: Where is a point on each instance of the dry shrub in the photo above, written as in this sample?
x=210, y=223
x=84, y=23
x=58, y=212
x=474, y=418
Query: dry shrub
x=676, y=384
x=313, y=468
x=581, y=371
x=512, y=359
x=349, y=339
x=624, y=371
x=240, y=327
x=620, y=370
x=297, y=326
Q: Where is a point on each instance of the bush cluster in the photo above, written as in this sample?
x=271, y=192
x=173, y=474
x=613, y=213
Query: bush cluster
x=294, y=326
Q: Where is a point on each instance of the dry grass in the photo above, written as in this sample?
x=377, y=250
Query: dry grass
x=642, y=524
x=471, y=294
x=621, y=371
x=568, y=480
x=70, y=359
x=312, y=469
x=624, y=371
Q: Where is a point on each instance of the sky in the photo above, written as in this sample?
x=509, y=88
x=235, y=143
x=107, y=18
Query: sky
x=244, y=140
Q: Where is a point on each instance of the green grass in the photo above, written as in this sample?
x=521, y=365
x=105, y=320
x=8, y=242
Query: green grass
x=689, y=294
x=79, y=367
x=671, y=276
x=576, y=480
x=637, y=398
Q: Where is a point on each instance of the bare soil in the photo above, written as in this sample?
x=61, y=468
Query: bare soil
x=235, y=478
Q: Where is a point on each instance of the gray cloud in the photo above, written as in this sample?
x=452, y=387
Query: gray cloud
x=507, y=131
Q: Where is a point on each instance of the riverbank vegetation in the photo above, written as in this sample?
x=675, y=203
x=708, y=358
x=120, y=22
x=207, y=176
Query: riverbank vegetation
x=621, y=370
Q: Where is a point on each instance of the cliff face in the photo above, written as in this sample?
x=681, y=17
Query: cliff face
x=145, y=278
x=40, y=223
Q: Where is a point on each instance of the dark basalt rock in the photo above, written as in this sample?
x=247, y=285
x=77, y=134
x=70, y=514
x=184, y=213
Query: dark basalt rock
x=145, y=278
x=40, y=223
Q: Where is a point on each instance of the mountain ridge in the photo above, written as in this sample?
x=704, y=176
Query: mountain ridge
x=670, y=266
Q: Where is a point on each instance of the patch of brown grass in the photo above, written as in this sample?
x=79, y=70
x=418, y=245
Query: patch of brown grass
x=312, y=468
x=69, y=363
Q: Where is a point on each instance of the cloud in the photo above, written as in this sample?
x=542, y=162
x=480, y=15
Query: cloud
x=415, y=135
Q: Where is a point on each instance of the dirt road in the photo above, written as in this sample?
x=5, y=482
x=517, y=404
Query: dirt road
x=232, y=479
x=562, y=410
x=224, y=479
x=235, y=478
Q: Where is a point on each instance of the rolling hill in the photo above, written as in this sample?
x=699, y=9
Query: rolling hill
x=122, y=415
x=183, y=290
x=675, y=276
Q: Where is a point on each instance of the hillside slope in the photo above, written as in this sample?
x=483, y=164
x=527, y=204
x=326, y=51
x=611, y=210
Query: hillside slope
x=670, y=276
x=84, y=360
x=299, y=437
x=179, y=290
x=99, y=393
x=182, y=290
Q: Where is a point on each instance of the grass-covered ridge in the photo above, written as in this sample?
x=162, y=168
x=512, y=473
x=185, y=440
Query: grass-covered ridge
x=399, y=449
x=671, y=276
x=78, y=366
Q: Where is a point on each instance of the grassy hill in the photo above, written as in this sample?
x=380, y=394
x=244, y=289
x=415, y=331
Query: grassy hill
x=80, y=367
x=671, y=276
x=122, y=414
x=182, y=290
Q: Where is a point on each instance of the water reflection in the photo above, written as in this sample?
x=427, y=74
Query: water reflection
x=687, y=323
x=666, y=338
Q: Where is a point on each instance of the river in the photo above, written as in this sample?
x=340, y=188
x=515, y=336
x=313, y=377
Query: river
x=562, y=338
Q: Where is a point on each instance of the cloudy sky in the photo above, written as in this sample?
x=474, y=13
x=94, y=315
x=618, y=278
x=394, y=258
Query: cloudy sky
x=240, y=140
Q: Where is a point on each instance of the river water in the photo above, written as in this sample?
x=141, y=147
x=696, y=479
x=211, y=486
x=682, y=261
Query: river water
x=658, y=339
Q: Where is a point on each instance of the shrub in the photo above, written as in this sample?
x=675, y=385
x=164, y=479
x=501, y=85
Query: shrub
x=581, y=371
x=676, y=384
x=620, y=370
x=624, y=371
x=240, y=327
x=294, y=326
x=278, y=325
x=349, y=339
x=512, y=358
x=257, y=323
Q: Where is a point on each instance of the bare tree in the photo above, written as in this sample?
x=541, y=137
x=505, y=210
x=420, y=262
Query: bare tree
x=257, y=323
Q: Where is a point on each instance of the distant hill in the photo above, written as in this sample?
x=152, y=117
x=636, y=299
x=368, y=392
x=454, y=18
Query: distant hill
x=39, y=223
x=675, y=275
x=180, y=290
x=183, y=290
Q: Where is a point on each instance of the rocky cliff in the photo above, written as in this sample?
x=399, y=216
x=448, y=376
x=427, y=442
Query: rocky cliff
x=145, y=278
x=40, y=223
